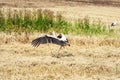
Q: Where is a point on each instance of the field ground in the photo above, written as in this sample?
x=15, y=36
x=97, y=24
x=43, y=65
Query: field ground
x=88, y=58
x=106, y=15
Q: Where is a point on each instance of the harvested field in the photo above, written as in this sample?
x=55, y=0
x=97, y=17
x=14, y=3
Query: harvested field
x=88, y=57
x=73, y=9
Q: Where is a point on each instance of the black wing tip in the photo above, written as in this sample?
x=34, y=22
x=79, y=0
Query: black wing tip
x=40, y=40
x=35, y=43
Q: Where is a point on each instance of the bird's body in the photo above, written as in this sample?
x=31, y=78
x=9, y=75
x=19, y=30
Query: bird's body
x=59, y=40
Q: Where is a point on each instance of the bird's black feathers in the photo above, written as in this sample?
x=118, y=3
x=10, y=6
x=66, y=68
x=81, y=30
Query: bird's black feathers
x=47, y=39
x=59, y=36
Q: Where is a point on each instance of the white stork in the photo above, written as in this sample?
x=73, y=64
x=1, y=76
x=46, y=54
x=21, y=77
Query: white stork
x=59, y=40
x=113, y=24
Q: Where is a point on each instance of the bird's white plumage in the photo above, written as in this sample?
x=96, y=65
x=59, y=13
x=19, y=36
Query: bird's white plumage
x=63, y=38
x=114, y=23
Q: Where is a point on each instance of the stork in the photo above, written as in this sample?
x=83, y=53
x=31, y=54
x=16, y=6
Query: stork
x=113, y=24
x=59, y=40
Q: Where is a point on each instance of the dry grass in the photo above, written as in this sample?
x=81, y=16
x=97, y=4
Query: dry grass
x=85, y=59
x=106, y=15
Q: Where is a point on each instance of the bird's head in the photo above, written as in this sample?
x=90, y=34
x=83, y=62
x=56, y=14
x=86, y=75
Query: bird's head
x=59, y=36
x=62, y=37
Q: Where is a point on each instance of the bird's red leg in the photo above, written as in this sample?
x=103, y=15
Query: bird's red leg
x=60, y=49
x=65, y=48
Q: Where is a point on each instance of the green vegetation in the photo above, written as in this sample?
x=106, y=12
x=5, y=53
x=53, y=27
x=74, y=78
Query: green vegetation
x=13, y=20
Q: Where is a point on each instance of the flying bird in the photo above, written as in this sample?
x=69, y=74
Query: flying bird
x=58, y=40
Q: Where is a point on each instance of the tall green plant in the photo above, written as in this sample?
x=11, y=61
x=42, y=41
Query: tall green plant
x=45, y=20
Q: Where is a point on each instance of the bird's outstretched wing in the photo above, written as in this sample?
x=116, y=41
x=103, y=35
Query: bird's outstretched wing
x=45, y=39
